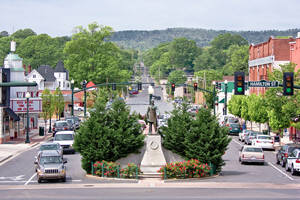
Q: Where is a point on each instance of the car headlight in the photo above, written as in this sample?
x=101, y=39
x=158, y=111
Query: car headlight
x=41, y=169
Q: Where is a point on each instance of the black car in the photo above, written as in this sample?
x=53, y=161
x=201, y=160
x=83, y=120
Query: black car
x=284, y=153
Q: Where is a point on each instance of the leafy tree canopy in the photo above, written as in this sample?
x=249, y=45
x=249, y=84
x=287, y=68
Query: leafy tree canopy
x=177, y=77
x=23, y=33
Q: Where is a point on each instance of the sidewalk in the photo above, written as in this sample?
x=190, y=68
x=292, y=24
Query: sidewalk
x=18, y=145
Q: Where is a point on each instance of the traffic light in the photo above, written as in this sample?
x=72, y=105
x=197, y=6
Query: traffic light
x=140, y=86
x=239, y=83
x=195, y=86
x=173, y=87
x=288, y=83
x=5, y=100
x=114, y=87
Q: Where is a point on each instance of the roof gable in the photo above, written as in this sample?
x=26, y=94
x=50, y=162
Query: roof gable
x=34, y=72
x=60, y=67
x=47, y=73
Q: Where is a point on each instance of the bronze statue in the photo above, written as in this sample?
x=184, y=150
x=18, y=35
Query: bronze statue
x=152, y=117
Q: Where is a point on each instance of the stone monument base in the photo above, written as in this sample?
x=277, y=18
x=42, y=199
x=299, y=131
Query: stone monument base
x=153, y=158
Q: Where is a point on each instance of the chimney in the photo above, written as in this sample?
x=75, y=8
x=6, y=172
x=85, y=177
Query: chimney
x=29, y=69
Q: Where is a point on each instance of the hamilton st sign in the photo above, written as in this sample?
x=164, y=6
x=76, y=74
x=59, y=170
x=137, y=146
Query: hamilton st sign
x=263, y=83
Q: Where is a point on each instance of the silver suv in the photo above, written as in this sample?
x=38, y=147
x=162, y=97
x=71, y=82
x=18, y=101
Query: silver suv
x=50, y=165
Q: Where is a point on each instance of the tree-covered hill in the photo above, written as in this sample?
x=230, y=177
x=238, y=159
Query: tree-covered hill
x=143, y=40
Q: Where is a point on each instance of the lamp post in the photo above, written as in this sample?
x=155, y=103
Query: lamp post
x=27, y=112
x=214, y=97
x=83, y=83
x=150, y=92
x=225, y=100
x=72, y=100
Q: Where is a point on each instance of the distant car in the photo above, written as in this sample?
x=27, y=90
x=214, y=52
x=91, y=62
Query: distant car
x=243, y=134
x=263, y=141
x=293, y=162
x=133, y=92
x=156, y=97
x=234, y=128
x=78, y=108
x=251, y=136
x=51, y=146
x=50, y=165
x=66, y=140
x=230, y=120
x=71, y=123
x=251, y=154
x=61, y=126
x=284, y=152
x=76, y=121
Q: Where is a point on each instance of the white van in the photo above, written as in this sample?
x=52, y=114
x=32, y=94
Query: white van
x=66, y=140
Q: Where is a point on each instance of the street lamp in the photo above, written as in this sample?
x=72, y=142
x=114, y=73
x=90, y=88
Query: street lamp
x=214, y=96
x=225, y=100
x=83, y=83
x=27, y=111
x=150, y=92
x=72, y=101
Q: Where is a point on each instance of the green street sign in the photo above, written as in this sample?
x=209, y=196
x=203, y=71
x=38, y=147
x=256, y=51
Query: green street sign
x=263, y=83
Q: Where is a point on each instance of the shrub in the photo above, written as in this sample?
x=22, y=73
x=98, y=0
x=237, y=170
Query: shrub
x=188, y=169
x=131, y=171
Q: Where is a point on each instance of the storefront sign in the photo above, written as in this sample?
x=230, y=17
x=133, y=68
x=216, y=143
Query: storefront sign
x=20, y=105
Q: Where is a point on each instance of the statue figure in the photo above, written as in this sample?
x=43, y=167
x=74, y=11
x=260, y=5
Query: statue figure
x=151, y=117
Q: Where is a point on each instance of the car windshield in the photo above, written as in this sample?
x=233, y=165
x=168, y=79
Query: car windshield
x=252, y=149
x=50, y=159
x=292, y=149
x=263, y=137
x=232, y=120
x=60, y=137
x=49, y=147
x=235, y=125
x=61, y=124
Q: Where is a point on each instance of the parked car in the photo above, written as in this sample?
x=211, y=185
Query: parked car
x=50, y=165
x=133, y=92
x=284, y=152
x=263, y=141
x=61, y=126
x=243, y=134
x=251, y=136
x=51, y=146
x=76, y=121
x=71, y=123
x=293, y=162
x=251, y=154
x=66, y=140
x=78, y=108
x=230, y=120
x=234, y=128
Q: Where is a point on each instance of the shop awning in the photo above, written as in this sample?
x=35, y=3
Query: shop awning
x=12, y=114
x=222, y=101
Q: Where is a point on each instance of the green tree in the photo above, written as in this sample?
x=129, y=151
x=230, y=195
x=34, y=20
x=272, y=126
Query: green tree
x=235, y=105
x=237, y=59
x=89, y=56
x=224, y=41
x=206, y=61
x=179, y=125
x=206, y=140
x=58, y=102
x=4, y=48
x=46, y=105
x=182, y=53
x=177, y=77
x=23, y=33
x=108, y=134
x=257, y=109
x=39, y=50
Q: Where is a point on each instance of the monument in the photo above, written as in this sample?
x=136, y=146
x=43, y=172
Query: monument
x=153, y=158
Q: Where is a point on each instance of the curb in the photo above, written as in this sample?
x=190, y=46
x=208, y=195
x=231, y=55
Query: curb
x=112, y=178
x=189, y=179
x=6, y=158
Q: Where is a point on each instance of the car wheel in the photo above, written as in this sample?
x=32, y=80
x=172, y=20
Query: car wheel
x=39, y=180
x=287, y=167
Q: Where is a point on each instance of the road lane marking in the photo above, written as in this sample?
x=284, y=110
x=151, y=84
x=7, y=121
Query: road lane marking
x=30, y=179
x=237, y=142
x=280, y=171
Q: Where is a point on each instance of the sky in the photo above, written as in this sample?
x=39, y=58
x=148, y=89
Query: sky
x=60, y=17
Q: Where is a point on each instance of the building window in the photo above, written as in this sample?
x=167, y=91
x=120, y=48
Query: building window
x=63, y=84
x=58, y=83
x=33, y=76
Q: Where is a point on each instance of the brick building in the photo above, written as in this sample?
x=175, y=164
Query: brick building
x=265, y=57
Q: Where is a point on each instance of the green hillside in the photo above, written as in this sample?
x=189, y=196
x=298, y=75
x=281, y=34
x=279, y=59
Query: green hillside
x=143, y=40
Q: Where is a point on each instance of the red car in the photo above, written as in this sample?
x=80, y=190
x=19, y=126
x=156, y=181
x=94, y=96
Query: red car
x=133, y=92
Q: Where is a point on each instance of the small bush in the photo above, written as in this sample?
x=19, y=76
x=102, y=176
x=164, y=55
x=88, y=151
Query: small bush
x=187, y=169
x=131, y=171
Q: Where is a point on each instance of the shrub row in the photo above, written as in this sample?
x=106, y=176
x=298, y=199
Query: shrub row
x=186, y=169
x=113, y=169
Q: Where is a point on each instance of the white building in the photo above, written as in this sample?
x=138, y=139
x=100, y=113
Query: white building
x=47, y=77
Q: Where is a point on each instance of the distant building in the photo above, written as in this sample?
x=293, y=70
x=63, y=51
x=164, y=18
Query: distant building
x=265, y=57
x=47, y=77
